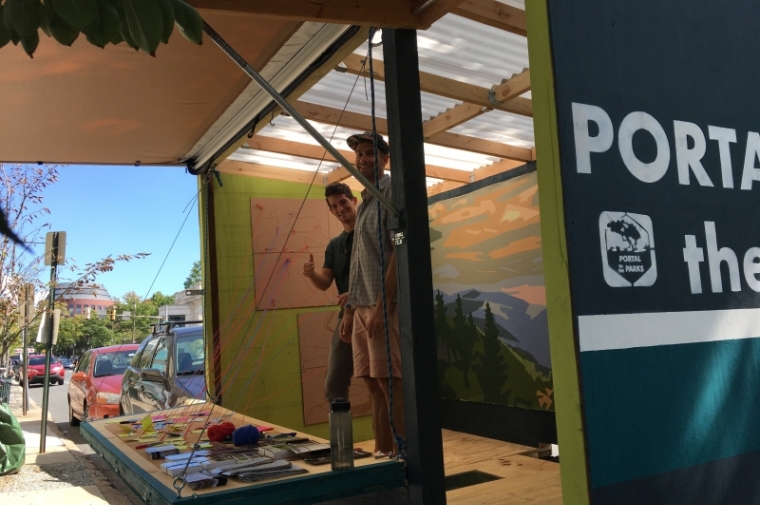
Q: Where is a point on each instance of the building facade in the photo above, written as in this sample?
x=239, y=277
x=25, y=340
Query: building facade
x=81, y=300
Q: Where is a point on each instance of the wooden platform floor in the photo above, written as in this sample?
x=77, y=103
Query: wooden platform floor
x=526, y=480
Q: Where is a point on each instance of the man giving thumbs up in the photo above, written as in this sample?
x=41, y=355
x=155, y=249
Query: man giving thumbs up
x=340, y=364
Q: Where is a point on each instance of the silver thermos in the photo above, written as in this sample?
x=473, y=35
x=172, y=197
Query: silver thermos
x=341, y=435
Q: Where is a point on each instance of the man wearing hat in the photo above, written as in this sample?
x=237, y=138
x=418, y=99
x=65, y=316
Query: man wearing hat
x=364, y=319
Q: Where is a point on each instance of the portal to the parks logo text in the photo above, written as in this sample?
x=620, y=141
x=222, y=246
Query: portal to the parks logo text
x=627, y=246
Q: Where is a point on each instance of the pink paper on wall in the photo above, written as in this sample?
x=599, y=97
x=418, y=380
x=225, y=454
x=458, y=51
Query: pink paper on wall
x=279, y=226
x=285, y=232
x=280, y=283
x=315, y=332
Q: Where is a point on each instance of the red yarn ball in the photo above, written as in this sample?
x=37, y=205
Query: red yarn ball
x=220, y=432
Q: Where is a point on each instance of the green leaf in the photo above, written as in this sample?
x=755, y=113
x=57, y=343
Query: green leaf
x=145, y=23
x=125, y=35
x=45, y=16
x=61, y=31
x=167, y=12
x=117, y=38
x=188, y=21
x=77, y=13
x=106, y=28
x=5, y=33
x=15, y=37
x=30, y=43
x=23, y=16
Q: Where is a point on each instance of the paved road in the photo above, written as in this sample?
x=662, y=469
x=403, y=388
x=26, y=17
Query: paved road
x=58, y=407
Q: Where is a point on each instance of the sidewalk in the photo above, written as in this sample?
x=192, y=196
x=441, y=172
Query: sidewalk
x=63, y=475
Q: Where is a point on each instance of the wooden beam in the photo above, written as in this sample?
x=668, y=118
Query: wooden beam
x=493, y=13
x=391, y=14
x=280, y=146
x=513, y=87
x=476, y=145
x=269, y=172
x=495, y=168
x=429, y=13
x=350, y=46
x=356, y=121
x=443, y=86
x=279, y=174
x=442, y=186
x=451, y=118
x=447, y=174
x=313, y=152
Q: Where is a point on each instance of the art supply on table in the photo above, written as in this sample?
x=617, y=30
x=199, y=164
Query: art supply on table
x=245, y=435
x=161, y=451
x=204, y=480
x=220, y=432
x=270, y=471
x=341, y=435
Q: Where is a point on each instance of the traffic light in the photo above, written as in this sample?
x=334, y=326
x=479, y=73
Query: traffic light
x=112, y=315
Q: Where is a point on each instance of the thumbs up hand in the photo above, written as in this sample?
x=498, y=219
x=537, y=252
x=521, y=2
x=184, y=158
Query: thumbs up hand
x=308, y=267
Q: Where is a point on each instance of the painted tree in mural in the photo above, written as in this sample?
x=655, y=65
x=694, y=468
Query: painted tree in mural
x=443, y=335
x=492, y=370
x=502, y=374
x=442, y=329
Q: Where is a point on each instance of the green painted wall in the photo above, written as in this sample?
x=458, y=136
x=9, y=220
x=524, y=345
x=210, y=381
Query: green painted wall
x=261, y=375
x=561, y=340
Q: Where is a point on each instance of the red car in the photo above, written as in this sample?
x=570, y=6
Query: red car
x=95, y=386
x=36, y=370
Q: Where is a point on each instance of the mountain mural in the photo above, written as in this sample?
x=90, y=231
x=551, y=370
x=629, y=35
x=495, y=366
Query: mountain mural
x=493, y=339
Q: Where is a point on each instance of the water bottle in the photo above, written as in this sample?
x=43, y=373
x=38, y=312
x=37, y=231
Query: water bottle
x=341, y=435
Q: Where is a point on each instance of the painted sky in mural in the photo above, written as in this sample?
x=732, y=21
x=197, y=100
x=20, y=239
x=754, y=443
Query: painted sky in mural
x=486, y=246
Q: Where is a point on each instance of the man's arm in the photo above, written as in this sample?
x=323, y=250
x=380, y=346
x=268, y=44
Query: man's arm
x=375, y=325
x=321, y=280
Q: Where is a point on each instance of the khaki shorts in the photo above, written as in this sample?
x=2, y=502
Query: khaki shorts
x=370, y=354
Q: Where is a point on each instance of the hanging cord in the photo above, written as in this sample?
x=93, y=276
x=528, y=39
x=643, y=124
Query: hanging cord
x=400, y=442
x=180, y=482
x=298, y=213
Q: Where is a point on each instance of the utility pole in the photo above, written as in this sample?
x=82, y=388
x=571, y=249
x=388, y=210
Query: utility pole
x=55, y=246
x=27, y=315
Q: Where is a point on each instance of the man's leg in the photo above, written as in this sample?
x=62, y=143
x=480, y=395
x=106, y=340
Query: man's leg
x=340, y=367
x=380, y=423
x=398, y=406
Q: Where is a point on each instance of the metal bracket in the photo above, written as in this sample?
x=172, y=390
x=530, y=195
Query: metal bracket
x=492, y=98
x=398, y=238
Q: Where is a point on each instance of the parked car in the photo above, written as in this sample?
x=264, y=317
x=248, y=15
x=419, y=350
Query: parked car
x=167, y=370
x=95, y=384
x=35, y=372
x=67, y=364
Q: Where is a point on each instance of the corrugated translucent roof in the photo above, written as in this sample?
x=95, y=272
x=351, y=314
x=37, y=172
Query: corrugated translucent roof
x=454, y=47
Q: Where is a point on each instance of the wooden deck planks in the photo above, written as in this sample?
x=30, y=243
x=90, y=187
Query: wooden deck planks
x=525, y=480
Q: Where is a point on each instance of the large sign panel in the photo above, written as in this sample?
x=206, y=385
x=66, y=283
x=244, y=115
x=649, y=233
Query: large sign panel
x=659, y=129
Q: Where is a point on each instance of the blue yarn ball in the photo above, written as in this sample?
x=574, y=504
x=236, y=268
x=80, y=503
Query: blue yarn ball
x=245, y=435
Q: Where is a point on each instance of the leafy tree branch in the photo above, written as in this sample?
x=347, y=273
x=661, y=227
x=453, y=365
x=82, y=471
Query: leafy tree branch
x=141, y=24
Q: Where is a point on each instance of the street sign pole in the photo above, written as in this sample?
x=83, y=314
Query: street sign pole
x=27, y=305
x=52, y=258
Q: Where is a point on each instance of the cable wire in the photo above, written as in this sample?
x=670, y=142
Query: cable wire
x=400, y=442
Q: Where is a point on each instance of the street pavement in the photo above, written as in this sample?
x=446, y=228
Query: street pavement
x=58, y=407
x=69, y=472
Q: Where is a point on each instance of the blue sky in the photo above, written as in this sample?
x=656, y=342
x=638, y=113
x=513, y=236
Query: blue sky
x=112, y=210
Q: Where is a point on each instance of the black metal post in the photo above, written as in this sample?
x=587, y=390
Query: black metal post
x=22, y=366
x=48, y=344
x=415, y=284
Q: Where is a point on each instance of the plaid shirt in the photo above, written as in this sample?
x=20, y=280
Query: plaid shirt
x=365, y=279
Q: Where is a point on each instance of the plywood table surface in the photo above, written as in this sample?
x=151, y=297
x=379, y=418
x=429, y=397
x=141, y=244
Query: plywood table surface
x=147, y=478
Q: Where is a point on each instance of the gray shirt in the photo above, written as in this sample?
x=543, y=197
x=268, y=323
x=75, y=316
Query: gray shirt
x=365, y=280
